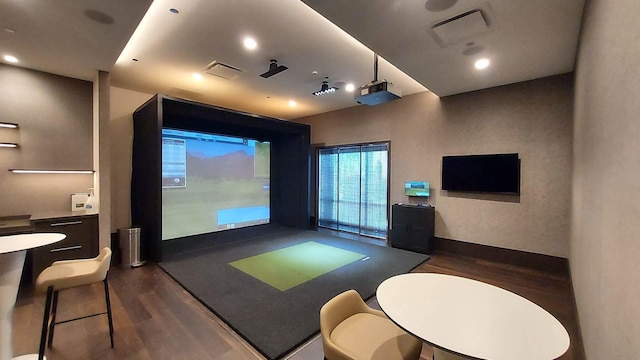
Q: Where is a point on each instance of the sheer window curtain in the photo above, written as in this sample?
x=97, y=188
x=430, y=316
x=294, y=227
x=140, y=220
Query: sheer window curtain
x=353, y=188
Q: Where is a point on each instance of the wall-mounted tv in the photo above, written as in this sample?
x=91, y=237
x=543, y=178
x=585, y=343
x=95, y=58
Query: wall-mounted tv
x=212, y=182
x=495, y=173
x=416, y=188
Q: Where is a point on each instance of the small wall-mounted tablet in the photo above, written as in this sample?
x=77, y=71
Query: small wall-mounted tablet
x=416, y=188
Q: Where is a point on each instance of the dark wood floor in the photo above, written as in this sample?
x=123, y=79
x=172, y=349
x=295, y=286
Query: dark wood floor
x=552, y=292
x=155, y=318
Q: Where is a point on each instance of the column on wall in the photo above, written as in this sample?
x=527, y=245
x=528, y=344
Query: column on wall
x=102, y=154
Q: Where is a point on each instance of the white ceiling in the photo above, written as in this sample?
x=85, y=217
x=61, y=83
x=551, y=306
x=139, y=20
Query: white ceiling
x=523, y=40
x=57, y=36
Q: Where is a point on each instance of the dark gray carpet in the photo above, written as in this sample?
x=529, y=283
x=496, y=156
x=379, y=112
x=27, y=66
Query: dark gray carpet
x=276, y=322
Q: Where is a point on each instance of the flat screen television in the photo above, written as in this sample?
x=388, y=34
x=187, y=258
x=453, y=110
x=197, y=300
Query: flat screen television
x=416, y=188
x=495, y=173
x=212, y=182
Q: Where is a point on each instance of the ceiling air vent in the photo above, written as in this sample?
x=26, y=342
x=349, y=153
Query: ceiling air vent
x=223, y=70
x=461, y=27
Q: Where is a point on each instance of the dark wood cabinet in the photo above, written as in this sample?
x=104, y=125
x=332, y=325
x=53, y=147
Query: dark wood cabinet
x=412, y=227
x=81, y=241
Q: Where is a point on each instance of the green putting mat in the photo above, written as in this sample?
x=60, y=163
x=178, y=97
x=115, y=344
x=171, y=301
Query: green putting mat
x=294, y=265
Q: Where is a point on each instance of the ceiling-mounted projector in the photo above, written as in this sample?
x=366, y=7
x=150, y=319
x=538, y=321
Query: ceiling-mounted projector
x=377, y=93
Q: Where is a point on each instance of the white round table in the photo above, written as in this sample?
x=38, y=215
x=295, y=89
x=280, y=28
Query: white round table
x=464, y=318
x=12, y=253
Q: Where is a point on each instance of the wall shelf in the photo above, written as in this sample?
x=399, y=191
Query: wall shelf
x=47, y=171
x=8, y=125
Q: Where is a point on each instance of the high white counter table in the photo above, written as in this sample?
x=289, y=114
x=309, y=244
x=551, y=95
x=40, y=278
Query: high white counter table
x=12, y=254
x=464, y=318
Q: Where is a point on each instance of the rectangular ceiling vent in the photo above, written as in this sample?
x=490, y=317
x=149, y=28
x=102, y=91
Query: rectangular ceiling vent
x=459, y=28
x=223, y=70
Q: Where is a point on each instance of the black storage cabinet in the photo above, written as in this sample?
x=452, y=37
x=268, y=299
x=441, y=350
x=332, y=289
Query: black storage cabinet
x=412, y=227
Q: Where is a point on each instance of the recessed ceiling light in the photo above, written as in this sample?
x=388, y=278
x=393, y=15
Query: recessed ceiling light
x=11, y=58
x=350, y=87
x=482, y=63
x=250, y=43
x=196, y=76
x=99, y=16
x=292, y=103
x=472, y=50
x=439, y=5
x=174, y=11
x=134, y=59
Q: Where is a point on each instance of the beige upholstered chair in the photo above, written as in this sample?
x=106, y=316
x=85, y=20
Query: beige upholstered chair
x=68, y=274
x=351, y=330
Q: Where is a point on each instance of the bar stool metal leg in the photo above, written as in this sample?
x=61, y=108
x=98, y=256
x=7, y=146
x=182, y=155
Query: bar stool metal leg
x=52, y=322
x=45, y=322
x=108, y=301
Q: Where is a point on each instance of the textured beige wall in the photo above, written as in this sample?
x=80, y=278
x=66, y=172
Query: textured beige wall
x=605, y=237
x=123, y=104
x=55, y=118
x=533, y=119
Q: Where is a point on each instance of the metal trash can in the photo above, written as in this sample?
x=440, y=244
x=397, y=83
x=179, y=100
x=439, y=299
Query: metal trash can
x=129, y=242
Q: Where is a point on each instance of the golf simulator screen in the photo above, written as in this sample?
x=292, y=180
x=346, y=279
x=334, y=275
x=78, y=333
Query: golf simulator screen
x=212, y=182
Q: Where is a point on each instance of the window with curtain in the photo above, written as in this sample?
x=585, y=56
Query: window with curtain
x=353, y=188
